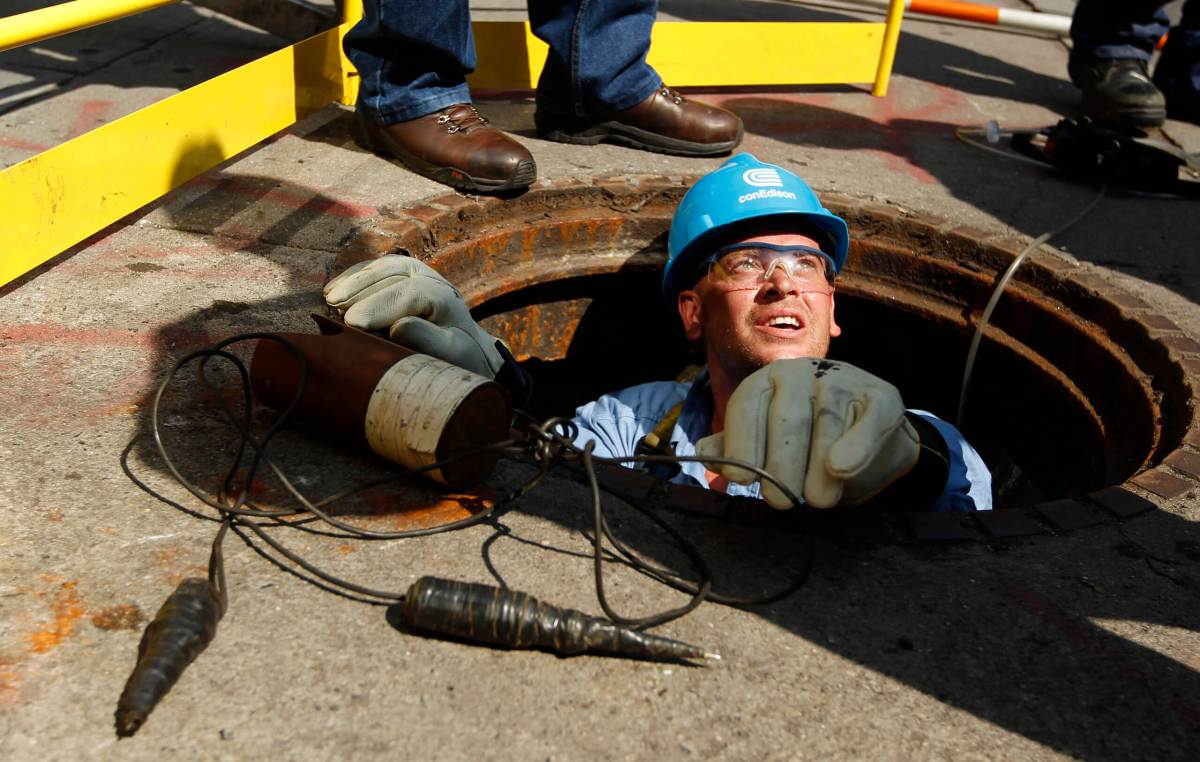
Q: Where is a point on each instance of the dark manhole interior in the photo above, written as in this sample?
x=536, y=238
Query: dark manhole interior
x=1069, y=393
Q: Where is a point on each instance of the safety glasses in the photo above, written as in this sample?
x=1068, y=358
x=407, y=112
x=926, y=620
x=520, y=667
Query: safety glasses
x=748, y=265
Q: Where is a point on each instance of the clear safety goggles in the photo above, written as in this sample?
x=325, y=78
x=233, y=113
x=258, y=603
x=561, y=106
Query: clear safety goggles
x=749, y=265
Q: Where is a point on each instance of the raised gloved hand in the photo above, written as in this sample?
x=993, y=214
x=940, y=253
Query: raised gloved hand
x=834, y=434
x=420, y=309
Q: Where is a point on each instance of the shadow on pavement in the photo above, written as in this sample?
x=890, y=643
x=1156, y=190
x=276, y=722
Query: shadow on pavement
x=942, y=63
x=147, y=50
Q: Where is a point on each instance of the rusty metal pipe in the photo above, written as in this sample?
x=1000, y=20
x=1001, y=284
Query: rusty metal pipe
x=365, y=391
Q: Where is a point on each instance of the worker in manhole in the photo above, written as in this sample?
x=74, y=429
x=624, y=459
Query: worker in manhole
x=752, y=264
x=414, y=105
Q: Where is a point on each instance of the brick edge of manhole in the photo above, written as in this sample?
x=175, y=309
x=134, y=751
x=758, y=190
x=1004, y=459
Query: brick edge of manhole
x=417, y=228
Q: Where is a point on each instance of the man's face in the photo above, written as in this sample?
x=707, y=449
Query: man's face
x=744, y=328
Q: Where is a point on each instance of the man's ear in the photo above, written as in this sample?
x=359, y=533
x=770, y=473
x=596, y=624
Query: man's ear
x=835, y=330
x=688, y=303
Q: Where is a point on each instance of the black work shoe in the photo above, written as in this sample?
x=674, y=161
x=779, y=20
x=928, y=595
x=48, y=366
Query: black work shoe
x=1118, y=91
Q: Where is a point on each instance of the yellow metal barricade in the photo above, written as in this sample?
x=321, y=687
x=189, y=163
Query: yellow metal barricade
x=44, y=23
x=716, y=54
x=56, y=199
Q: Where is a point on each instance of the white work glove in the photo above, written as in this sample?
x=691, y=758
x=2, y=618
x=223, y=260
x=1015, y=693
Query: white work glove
x=832, y=433
x=420, y=309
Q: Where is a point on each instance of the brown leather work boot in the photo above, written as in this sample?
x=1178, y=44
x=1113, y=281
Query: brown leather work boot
x=666, y=122
x=455, y=146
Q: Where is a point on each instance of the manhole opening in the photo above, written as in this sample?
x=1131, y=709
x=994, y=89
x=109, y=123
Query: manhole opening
x=1069, y=394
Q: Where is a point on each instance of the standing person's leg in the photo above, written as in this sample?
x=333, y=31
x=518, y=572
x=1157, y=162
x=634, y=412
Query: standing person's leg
x=1111, y=45
x=413, y=103
x=1178, y=71
x=412, y=56
x=596, y=85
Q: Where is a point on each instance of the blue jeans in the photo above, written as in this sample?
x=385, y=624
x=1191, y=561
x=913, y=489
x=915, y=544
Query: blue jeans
x=1130, y=28
x=414, y=55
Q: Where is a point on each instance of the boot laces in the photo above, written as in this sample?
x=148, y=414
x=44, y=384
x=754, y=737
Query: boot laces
x=669, y=93
x=461, y=118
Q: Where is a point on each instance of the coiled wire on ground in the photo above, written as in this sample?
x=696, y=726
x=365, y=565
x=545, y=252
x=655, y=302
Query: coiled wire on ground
x=546, y=443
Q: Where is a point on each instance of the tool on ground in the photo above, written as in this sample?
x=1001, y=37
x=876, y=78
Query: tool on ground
x=1128, y=158
x=487, y=614
x=410, y=408
x=183, y=627
x=186, y=623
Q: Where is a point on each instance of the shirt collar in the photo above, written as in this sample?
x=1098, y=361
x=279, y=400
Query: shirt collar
x=695, y=420
x=695, y=423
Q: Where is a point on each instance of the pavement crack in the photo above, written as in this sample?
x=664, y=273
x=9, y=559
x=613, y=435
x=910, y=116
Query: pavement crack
x=1163, y=567
x=1177, y=577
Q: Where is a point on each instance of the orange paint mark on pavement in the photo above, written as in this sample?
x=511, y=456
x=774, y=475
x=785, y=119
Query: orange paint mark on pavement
x=169, y=558
x=169, y=555
x=12, y=673
x=121, y=617
x=177, y=576
x=68, y=609
x=404, y=511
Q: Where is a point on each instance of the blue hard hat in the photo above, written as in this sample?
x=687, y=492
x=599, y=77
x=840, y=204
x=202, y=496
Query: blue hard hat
x=742, y=189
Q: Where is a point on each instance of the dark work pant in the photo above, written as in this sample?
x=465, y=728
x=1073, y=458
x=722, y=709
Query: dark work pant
x=1130, y=29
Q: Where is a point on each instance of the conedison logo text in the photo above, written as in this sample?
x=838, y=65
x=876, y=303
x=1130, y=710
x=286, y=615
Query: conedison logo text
x=766, y=194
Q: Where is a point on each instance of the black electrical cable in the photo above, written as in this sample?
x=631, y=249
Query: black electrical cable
x=546, y=443
x=259, y=447
x=559, y=442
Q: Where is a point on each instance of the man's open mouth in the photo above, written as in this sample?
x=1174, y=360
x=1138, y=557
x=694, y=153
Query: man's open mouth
x=781, y=326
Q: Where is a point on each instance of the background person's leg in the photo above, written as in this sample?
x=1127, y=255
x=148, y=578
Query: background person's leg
x=413, y=57
x=1178, y=71
x=596, y=85
x=1111, y=46
x=597, y=60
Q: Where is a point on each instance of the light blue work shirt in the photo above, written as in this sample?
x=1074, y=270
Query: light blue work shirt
x=617, y=422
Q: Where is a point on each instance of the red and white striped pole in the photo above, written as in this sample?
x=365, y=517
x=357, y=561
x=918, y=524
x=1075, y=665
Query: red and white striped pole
x=1007, y=18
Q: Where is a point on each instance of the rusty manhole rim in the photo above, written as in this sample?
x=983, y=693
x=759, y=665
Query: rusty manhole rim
x=437, y=230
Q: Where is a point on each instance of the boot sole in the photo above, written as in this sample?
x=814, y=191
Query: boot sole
x=1129, y=116
x=622, y=134
x=523, y=177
